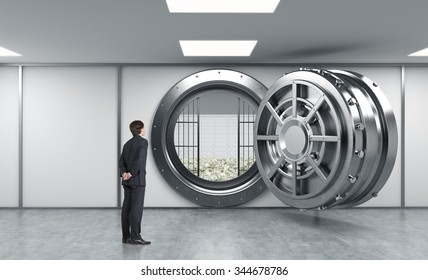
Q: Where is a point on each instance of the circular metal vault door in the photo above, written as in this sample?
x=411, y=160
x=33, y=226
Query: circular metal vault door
x=179, y=111
x=324, y=139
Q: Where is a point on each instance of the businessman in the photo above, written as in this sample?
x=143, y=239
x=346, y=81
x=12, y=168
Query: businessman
x=132, y=166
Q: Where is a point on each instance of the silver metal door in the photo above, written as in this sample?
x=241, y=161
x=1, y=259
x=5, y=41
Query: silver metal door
x=325, y=138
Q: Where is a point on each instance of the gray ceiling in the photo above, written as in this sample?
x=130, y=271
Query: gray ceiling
x=143, y=31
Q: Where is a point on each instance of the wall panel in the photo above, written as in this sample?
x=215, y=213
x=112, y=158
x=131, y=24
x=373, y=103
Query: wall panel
x=70, y=137
x=416, y=99
x=9, y=131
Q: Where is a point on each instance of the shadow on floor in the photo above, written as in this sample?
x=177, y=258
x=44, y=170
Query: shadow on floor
x=322, y=220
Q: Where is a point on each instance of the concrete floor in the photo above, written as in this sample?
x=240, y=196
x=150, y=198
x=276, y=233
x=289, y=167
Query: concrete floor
x=217, y=234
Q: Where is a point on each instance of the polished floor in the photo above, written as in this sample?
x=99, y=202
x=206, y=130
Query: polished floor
x=217, y=234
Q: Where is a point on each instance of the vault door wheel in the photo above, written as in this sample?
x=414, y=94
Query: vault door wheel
x=318, y=133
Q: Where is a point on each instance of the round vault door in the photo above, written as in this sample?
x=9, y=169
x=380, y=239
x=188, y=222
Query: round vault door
x=325, y=138
x=317, y=138
x=203, y=141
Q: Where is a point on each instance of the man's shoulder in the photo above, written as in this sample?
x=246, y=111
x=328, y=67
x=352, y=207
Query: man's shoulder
x=129, y=141
x=143, y=142
x=140, y=140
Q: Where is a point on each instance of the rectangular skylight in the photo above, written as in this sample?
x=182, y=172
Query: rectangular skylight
x=6, y=52
x=222, y=6
x=217, y=48
x=423, y=52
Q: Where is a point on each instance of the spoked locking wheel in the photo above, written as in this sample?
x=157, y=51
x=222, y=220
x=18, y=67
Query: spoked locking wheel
x=324, y=139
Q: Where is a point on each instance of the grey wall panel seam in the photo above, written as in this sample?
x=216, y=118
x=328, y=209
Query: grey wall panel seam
x=403, y=136
x=119, y=128
x=21, y=135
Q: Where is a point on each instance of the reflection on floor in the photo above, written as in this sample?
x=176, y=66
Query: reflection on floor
x=217, y=234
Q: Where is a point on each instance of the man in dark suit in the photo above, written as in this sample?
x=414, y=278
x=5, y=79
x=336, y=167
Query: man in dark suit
x=132, y=165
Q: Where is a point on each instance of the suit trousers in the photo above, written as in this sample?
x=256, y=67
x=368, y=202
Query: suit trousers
x=132, y=211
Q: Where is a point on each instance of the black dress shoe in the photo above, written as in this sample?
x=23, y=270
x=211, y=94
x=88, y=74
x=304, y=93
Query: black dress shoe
x=126, y=240
x=140, y=242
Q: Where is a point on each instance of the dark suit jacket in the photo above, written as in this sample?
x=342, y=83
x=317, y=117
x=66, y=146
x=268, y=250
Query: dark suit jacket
x=133, y=160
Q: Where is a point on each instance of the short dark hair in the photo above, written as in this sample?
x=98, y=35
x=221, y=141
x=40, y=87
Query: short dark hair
x=136, y=127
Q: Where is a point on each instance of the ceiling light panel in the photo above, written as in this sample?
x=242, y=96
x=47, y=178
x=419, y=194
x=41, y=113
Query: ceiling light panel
x=6, y=52
x=217, y=48
x=423, y=52
x=222, y=6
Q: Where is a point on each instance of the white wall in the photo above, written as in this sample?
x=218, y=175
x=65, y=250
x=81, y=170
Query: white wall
x=9, y=135
x=416, y=91
x=70, y=137
x=70, y=132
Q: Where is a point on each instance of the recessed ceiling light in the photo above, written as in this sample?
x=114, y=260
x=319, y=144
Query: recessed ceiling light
x=217, y=48
x=423, y=52
x=222, y=6
x=6, y=52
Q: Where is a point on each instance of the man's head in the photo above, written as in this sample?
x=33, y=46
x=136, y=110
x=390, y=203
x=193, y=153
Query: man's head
x=137, y=128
